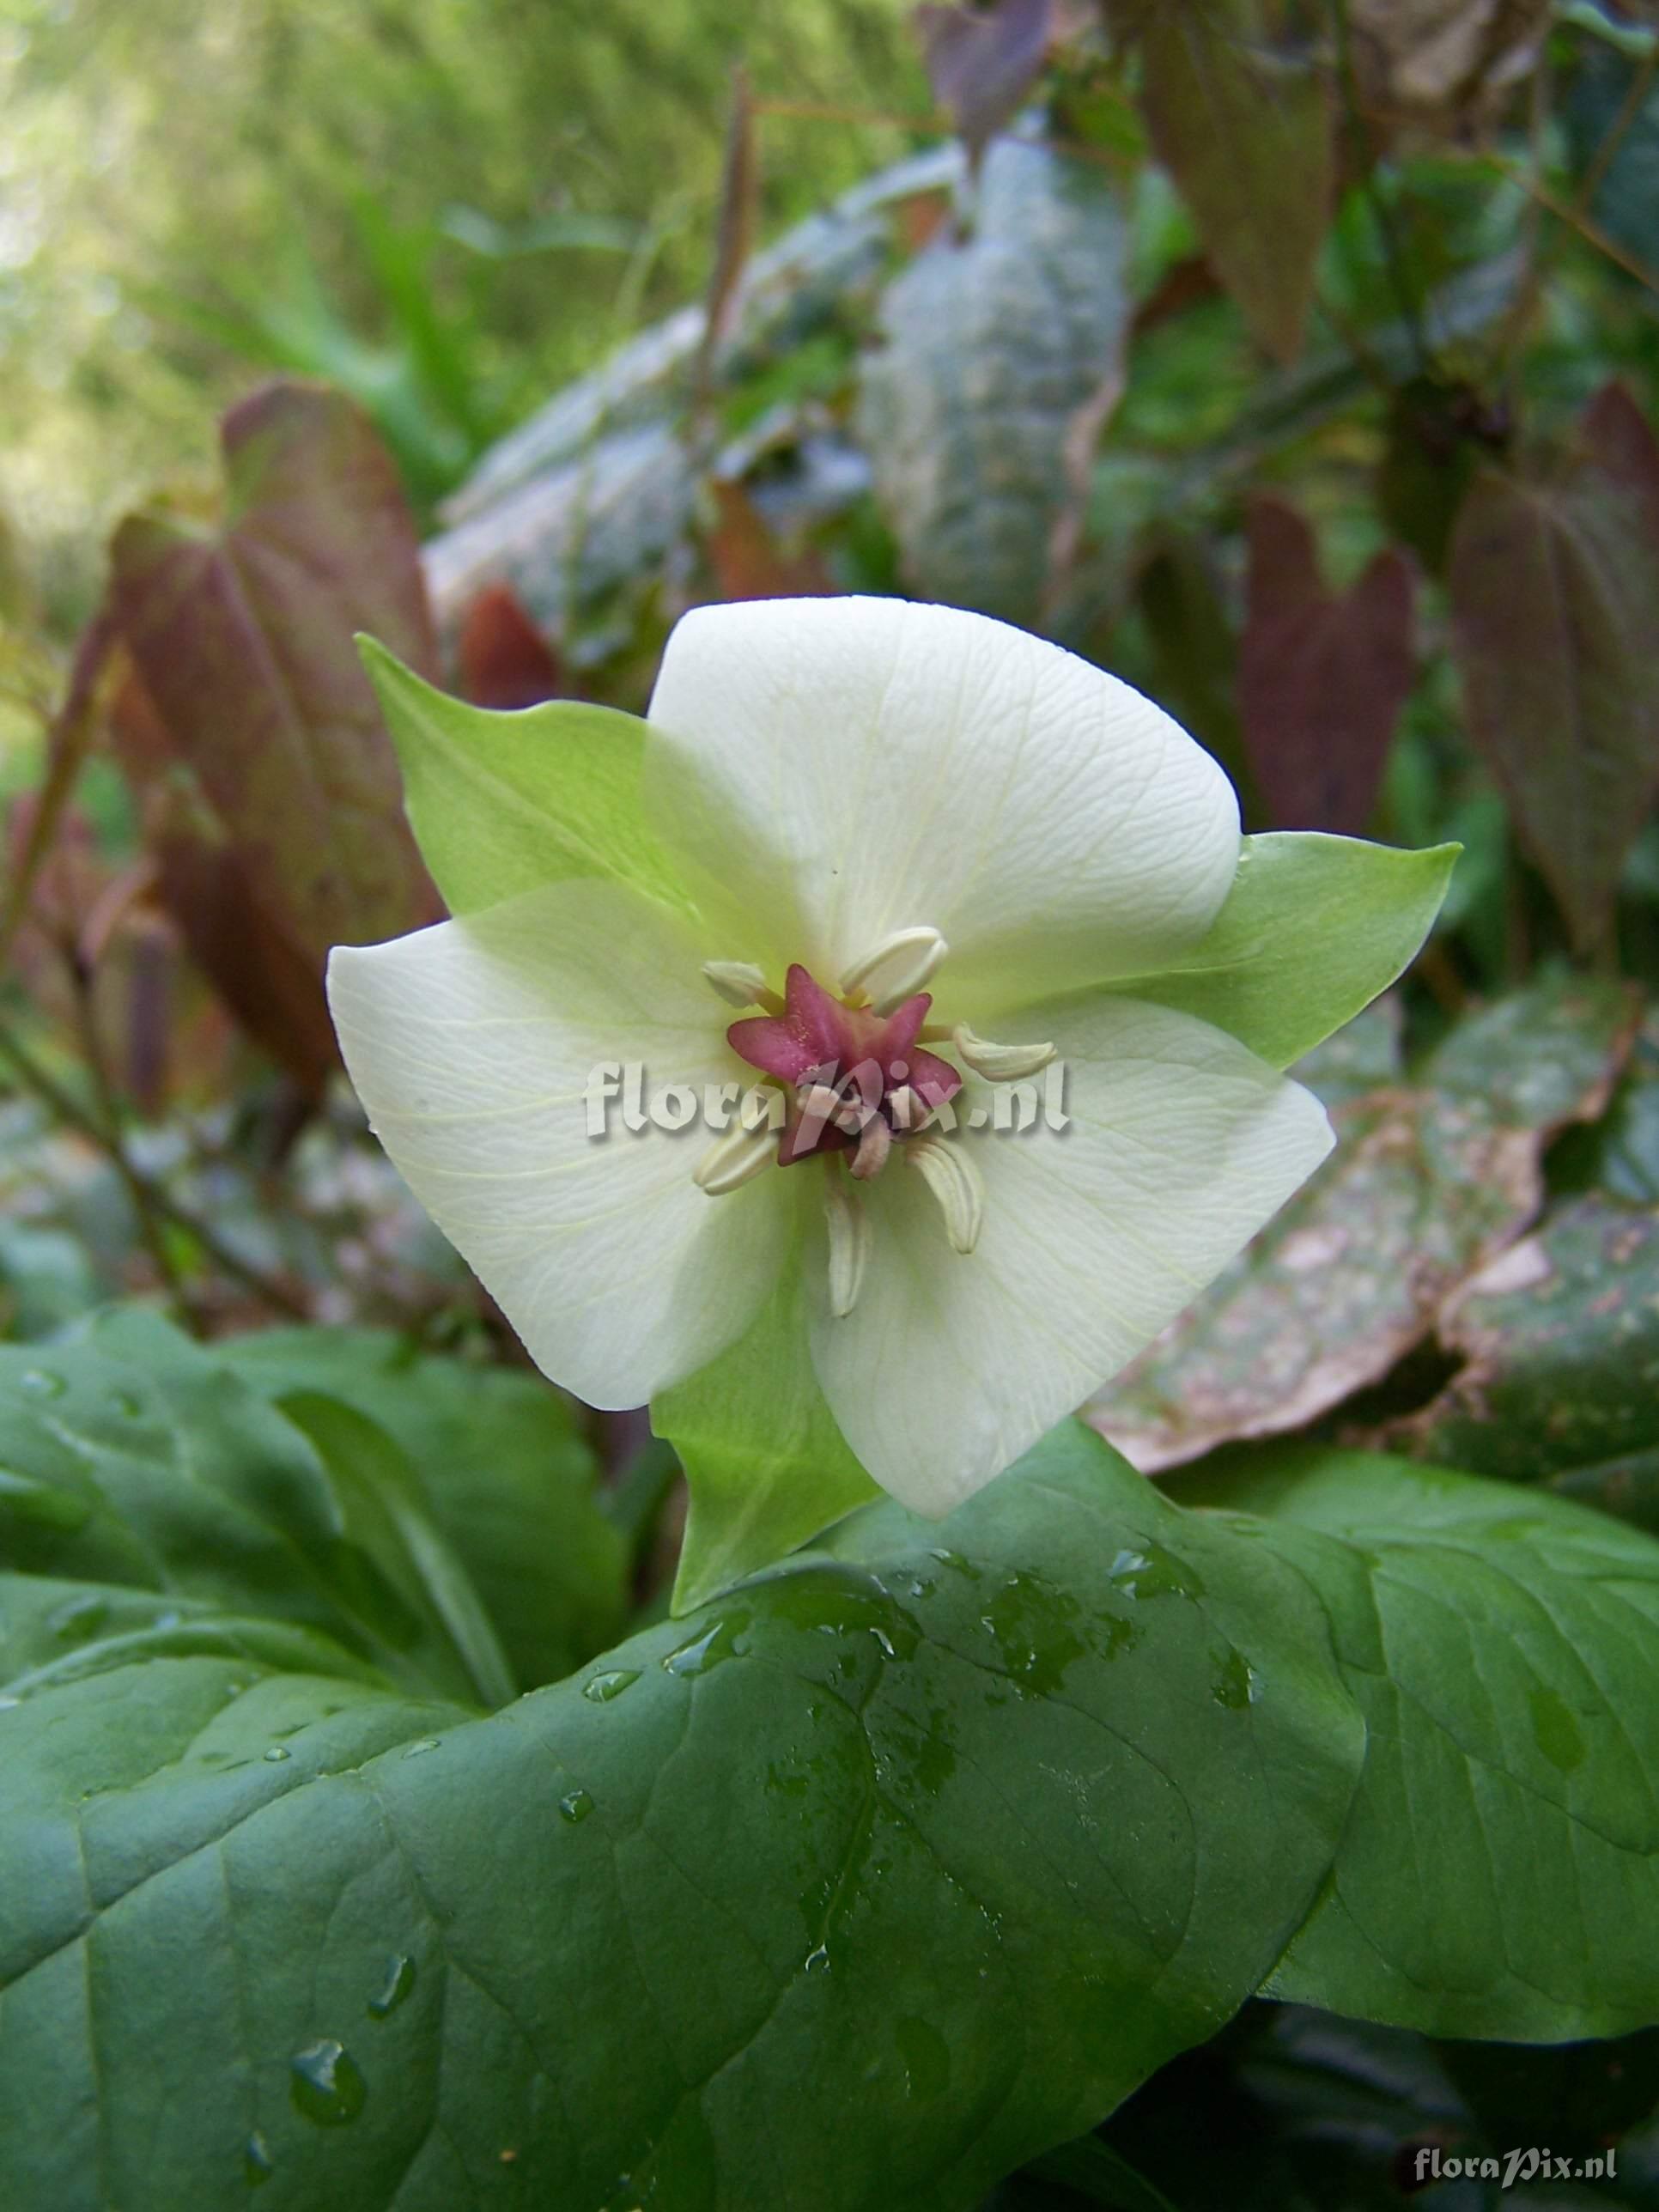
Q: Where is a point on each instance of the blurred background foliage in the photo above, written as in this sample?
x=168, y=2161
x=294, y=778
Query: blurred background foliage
x=447, y=206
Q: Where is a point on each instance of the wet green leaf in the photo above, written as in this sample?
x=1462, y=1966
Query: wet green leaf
x=1074, y=1762
x=1498, y=1875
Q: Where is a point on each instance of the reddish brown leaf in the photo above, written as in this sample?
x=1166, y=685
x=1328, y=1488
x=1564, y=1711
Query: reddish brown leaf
x=70, y=736
x=505, y=662
x=747, y=560
x=1322, y=676
x=1246, y=136
x=244, y=640
x=1619, y=439
x=982, y=63
x=271, y=983
x=1554, y=582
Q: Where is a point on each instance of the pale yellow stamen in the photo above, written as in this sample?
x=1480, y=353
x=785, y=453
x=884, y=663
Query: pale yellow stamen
x=909, y=1110
x=849, y=1244
x=740, y=983
x=875, y=1142
x=734, y=1159
x=1000, y=1063
x=955, y=1183
x=895, y=969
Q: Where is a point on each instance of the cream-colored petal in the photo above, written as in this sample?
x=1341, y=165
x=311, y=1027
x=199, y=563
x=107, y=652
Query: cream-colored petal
x=1180, y=1145
x=830, y=772
x=471, y=1046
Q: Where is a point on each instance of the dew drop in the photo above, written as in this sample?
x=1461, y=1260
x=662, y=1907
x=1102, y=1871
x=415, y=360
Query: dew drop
x=600, y=1689
x=257, y=2164
x=425, y=1743
x=41, y=1382
x=277, y=1752
x=710, y=1649
x=6, y=1704
x=576, y=1806
x=399, y=1981
x=326, y=2084
x=1234, y=1686
x=124, y=1401
x=816, y=1962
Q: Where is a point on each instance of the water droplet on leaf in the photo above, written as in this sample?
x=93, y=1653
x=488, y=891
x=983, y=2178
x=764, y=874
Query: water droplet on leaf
x=600, y=1689
x=257, y=2164
x=277, y=1752
x=399, y=1982
x=326, y=2084
x=424, y=1743
x=576, y=1806
x=41, y=1382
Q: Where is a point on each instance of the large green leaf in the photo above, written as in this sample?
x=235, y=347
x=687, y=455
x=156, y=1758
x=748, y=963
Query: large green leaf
x=131, y=1460
x=1312, y=928
x=1499, y=1872
x=505, y=1474
x=503, y=802
x=963, y=1831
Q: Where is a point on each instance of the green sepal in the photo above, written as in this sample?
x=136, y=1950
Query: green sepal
x=1312, y=930
x=504, y=803
x=766, y=1465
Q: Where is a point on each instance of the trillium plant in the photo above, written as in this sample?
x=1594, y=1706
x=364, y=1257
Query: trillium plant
x=969, y=1004
x=859, y=1060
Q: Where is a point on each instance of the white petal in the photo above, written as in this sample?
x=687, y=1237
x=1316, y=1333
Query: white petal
x=471, y=1046
x=1182, y=1144
x=831, y=771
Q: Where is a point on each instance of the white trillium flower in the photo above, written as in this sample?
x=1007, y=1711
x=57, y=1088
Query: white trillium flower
x=929, y=849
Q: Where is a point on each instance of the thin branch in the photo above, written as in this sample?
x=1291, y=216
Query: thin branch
x=109, y=1113
x=1613, y=138
x=69, y=1111
x=69, y=734
x=1590, y=233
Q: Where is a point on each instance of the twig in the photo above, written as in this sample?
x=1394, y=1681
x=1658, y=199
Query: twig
x=1613, y=138
x=109, y=1113
x=1590, y=233
x=68, y=734
x=73, y=1115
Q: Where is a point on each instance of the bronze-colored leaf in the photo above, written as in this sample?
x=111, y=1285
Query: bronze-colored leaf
x=1554, y=579
x=1431, y=1179
x=243, y=636
x=505, y=661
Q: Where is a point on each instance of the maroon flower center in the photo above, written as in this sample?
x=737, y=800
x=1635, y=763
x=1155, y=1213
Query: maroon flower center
x=848, y=1067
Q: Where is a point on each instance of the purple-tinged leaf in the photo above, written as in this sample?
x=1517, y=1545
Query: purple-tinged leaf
x=1322, y=676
